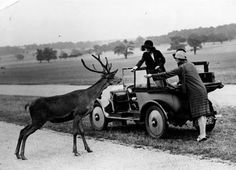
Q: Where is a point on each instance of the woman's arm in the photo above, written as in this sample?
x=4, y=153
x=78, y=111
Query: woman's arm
x=168, y=74
x=140, y=62
x=161, y=58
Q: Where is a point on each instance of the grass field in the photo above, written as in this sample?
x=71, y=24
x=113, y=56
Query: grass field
x=221, y=144
x=222, y=58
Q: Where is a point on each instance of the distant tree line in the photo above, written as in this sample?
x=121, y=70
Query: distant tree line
x=195, y=41
x=195, y=37
x=124, y=47
x=10, y=50
x=175, y=38
x=226, y=31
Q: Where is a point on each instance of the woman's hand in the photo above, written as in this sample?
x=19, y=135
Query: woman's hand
x=134, y=68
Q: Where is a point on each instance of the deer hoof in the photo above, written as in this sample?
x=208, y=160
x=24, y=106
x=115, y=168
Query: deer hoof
x=17, y=156
x=23, y=157
x=76, y=154
x=89, y=150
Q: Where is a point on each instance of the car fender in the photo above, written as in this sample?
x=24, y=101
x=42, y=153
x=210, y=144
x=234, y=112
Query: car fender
x=148, y=104
x=98, y=101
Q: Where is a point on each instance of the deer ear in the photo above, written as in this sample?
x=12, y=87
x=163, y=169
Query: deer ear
x=114, y=72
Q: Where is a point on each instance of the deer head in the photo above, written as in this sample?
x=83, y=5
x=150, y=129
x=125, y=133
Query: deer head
x=106, y=72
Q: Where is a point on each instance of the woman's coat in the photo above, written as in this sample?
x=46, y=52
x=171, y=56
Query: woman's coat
x=192, y=87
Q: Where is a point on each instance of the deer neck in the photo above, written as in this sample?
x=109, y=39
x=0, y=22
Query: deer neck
x=98, y=87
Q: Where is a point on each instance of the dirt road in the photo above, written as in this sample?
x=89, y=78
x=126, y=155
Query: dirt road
x=48, y=150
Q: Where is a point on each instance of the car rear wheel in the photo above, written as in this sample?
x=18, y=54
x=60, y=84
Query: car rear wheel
x=155, y=122
x=98, y=119
x=211, y=120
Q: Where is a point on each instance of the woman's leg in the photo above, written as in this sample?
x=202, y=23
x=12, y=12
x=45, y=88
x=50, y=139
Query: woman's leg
x=202, y=126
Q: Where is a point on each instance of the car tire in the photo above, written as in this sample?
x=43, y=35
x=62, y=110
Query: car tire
x=210, y=127
x=97, y=118
x=155, y=122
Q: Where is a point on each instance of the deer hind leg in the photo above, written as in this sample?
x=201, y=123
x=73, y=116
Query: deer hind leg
x=20, y=140
x=75, y=133
x=31, y=129
x=81, y=130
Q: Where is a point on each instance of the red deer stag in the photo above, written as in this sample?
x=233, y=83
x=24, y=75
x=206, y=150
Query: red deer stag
x=71, y=106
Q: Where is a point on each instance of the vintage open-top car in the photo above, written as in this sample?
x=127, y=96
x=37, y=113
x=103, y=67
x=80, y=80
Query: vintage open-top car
x=141, y=101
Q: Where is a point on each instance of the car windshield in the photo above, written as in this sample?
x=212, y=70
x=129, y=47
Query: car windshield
x=141, y=81
x=127, y=77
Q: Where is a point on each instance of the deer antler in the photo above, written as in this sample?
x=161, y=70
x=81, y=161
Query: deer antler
x=99, y=60
x=95, y=70
x=106, y=67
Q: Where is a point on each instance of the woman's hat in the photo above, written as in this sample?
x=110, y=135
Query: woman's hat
x=147, y=44
x=180, y=55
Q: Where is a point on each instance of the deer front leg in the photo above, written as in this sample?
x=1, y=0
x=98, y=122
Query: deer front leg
x=29, y=131
x=75, y=132
x=19, y=142
x=81, y=130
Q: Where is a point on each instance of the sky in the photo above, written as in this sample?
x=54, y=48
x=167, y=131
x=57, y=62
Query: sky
x=25, y=22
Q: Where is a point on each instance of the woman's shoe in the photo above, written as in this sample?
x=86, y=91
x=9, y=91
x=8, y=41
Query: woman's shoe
x=201, y=139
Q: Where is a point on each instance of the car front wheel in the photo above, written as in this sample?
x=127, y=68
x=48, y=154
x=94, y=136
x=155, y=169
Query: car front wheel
x=98, y=119
x=155, y=122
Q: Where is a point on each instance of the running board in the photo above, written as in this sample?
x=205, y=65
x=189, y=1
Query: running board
x=123, y=118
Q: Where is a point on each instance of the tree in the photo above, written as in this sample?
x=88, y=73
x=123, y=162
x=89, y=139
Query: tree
x=203, y=38
x=88, y=51
x=97, y=49
x=217, y=37
x=75, y=53
x=194, y=41
x=46, y=54
x=139, y=41
x=19, y=57
x=177, y=43
x=39, y=55
x=49, y=54
x=126, y=48
x=63, y=55
x=221, y=37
